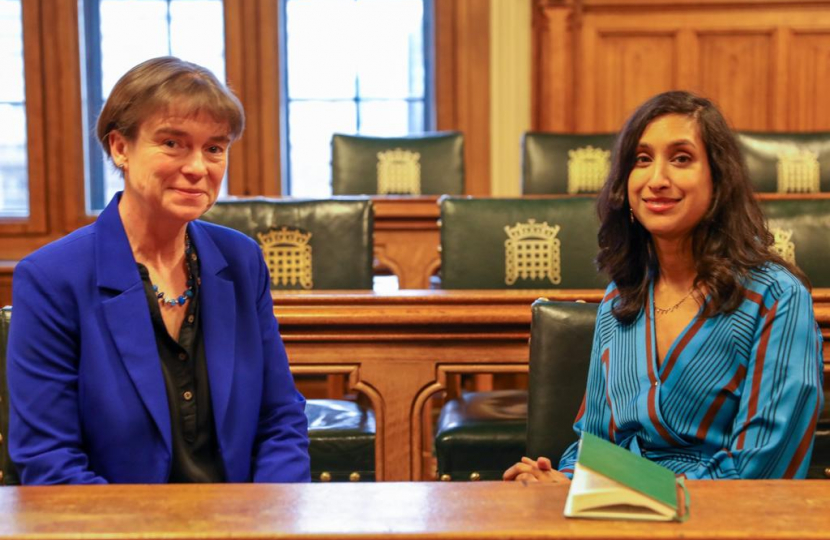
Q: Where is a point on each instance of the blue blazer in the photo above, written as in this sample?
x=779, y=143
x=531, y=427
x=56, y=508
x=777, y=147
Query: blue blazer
x=88, y=401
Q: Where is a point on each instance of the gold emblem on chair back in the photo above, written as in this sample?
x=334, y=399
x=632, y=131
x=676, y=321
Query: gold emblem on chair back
x=588, y=168
x=783, y=246
x=399, y=172
x=288, y=256
x=798, y=171
x=532, y=252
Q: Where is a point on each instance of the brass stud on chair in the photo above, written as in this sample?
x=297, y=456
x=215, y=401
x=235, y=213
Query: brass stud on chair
x=475, y=477
x=325, y=476
x=354, y=477
x=446, y=478
x=827, y=472
x=1, y=478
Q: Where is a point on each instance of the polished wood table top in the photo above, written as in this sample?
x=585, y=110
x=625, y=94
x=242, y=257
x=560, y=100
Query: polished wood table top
x=719, y=510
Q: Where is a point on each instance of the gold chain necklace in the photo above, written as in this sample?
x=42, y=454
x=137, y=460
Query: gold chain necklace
x=665, y=311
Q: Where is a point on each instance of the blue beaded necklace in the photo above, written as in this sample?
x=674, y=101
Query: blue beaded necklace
x=188, y=293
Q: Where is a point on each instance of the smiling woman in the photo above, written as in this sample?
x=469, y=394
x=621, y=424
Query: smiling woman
x=706, y=357
x=116, y=376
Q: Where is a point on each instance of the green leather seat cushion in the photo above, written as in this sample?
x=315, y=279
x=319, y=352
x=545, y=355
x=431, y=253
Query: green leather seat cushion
x=341, y=439
x=481, y=432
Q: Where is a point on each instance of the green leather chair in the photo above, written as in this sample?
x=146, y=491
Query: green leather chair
x=565, y=162
x=480, y=434
x=802, y=230
x=820, y=462
x=332, y=238
x=342, y=441
x=562, y=334
x=787, y=162
x=336, y=235
x=500, y=244
x=519, y=243
x=428, y=164
x=8, y=473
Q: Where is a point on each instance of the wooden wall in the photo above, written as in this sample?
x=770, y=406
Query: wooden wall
x=765, y=63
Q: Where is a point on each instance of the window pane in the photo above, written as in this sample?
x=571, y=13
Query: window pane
x=391, y=48
x=14, y=179
x=312, y=123
x=391, y=118
x=321, y=49
x=132, y=31
x=361, y=56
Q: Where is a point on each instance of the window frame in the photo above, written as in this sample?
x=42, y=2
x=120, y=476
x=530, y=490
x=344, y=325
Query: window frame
x=430, y=106
x=36, y=221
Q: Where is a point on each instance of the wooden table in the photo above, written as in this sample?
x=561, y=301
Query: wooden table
x=398, y=349
x=778, y=509
x=407, y=237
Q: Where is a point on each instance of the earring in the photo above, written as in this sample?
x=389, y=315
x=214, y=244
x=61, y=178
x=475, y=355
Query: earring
x=631, y=214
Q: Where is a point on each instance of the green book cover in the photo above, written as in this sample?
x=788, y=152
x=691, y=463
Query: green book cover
x=620, y=465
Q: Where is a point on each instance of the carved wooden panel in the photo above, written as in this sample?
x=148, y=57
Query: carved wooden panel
x=734, y=69
x=768, y=67
x=809, y=64
x=630, y=68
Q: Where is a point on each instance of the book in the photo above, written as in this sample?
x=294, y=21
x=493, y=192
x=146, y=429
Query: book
x=609, y=482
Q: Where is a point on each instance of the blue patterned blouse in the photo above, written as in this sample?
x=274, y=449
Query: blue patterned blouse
x=737, y=395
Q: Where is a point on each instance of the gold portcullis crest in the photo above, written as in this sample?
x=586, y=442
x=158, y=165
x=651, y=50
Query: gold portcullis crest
x=784, y=245
x=588, y=168
x=288, y=256
x=798, y=171
x=399, y=172
x=532, y=252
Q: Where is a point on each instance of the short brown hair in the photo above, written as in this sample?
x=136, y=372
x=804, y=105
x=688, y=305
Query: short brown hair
x=158, y=84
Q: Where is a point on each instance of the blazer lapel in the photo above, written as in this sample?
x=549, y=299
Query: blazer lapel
x=218, y=312
x=128, y=317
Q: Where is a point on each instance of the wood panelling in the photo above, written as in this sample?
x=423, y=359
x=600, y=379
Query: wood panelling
x=630, y=69
x=462, y=83
x=595, y=60
x=809, y=64
x=735, y=69
x=252, y=59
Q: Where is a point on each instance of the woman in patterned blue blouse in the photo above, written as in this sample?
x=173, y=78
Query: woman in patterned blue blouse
x=706, y=356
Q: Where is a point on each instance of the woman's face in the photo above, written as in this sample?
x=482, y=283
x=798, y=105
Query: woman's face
x=670, y=186
x=174, y=167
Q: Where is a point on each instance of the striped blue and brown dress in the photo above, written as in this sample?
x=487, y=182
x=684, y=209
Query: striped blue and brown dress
x=737, y=395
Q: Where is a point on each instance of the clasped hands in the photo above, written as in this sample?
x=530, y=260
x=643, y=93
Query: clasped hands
x=539, y=470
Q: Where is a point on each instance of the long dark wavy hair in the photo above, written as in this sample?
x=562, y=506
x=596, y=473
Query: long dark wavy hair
x=730, y=240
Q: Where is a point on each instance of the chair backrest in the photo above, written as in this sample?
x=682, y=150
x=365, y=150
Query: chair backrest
x=565, y=162
x=820, y=462
x=787, y=162
x=317, y=244
x=429, y=164
x=801, y=228
x=8, y=473
x=560, y=351
x=544, y=243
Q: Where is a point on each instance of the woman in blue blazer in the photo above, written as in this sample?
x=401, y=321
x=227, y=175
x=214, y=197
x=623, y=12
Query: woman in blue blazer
x=114, y=376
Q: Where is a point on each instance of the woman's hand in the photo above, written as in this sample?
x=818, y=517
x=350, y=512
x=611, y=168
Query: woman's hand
x=539, y=470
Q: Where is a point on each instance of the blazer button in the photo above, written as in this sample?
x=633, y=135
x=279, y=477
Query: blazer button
x=182, y=356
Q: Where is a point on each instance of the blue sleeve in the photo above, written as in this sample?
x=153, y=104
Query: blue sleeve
x=595, y=414
x=45, y=440
x=772, y=434
x=281, y=446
